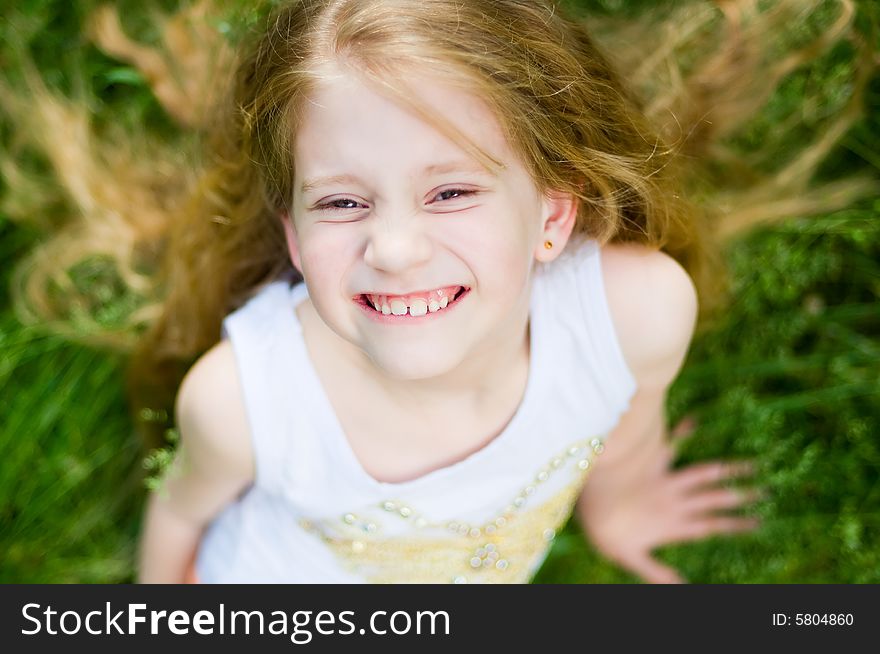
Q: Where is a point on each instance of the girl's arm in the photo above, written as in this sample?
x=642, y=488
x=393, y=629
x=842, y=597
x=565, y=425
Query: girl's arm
x=653, y=305
x=632, y=501
x=214, y=464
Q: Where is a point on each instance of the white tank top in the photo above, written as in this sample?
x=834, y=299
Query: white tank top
x=314, y=515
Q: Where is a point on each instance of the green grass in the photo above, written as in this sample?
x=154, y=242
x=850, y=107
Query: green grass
x=796, y=389
x=791, y=378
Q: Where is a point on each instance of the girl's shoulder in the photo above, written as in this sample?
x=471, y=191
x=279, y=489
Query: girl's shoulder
x=211, y=415
x=653, y=305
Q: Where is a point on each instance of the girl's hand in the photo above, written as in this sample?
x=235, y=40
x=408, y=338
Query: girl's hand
x=627, y=513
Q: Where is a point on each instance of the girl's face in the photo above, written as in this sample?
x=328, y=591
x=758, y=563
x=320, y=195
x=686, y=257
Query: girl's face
x=385, y=204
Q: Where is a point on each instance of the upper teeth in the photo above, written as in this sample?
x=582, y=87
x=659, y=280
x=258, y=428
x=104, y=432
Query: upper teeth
x=399, y=307
x=417, y=308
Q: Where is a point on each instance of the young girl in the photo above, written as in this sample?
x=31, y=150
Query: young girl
x=434, y=230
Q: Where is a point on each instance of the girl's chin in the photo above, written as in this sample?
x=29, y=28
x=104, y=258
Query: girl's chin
x=402, y=365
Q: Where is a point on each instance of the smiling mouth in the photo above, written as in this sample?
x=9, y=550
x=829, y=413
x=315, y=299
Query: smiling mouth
x=396, y=308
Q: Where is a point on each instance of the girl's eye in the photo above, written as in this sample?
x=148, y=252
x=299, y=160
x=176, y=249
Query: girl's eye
x=333, y=206
x=461, y=192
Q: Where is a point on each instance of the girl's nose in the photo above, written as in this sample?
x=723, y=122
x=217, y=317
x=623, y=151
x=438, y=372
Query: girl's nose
x=395, y=246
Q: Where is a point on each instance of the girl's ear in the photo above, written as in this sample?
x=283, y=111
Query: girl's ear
x=559, y=211
x=292, y=243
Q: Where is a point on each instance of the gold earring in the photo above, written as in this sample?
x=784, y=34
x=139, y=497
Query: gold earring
x=548, y=244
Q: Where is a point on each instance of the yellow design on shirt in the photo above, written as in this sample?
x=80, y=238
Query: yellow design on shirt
x=506, y=549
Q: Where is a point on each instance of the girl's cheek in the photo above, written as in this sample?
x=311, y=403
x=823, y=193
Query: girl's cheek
x=491, y=237
x=324, y=256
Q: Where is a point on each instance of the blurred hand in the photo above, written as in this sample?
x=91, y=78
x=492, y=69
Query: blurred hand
x=629, y=510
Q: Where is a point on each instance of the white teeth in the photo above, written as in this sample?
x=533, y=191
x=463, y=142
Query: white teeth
x=398, y=307
x=418, y=308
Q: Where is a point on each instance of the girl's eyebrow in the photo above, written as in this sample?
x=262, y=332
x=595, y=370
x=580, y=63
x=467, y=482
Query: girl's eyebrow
x=434, y=169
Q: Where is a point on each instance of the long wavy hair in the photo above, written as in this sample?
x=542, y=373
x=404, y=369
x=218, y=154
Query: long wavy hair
x=194, y=237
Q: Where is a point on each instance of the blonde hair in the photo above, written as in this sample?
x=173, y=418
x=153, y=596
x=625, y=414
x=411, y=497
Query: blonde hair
x=565, y=111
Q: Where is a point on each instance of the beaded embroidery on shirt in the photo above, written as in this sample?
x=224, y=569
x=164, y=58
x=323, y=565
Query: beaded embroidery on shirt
x=507, y=548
